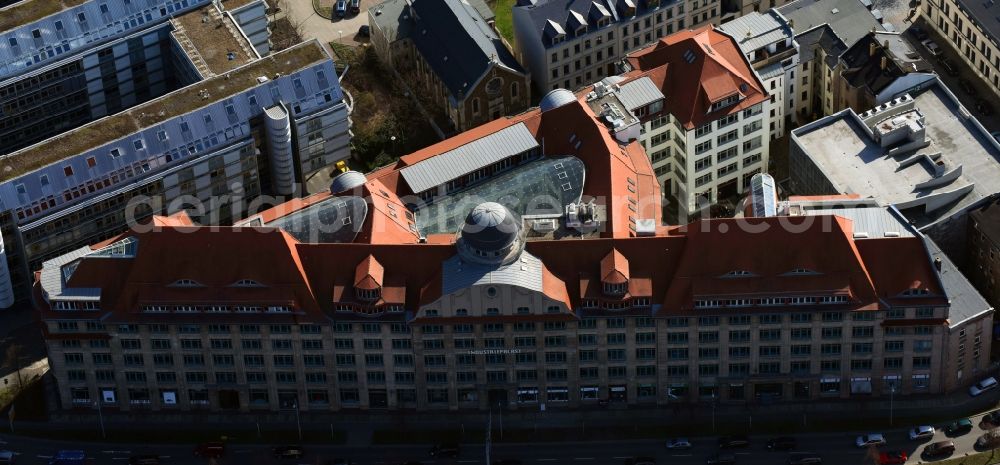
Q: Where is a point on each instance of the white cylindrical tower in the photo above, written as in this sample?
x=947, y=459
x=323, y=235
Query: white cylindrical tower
x=279, y=146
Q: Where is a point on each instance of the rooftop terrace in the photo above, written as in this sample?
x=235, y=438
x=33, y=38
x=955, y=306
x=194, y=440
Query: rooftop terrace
x=32, y=10
x=175, y=104
x=212, y=40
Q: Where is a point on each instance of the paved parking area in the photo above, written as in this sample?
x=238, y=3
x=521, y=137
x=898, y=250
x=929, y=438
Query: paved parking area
x=314, y=26
x=980, y=88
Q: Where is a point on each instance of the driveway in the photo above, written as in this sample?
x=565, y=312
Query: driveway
x=314, y=26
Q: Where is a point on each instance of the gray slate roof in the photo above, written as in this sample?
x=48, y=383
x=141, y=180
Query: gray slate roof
x=850, y=22
x=558, y=11
x=986, y=14
x=875, y=222
x=451, y=35
x=966, y=301
x=467, y=158
x=525, y=272
x=757, y=30
x=639, y=93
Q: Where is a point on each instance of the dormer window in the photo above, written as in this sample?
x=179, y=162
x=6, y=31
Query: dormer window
x=916, y=292
x=368, y=295
x=725, y=102
x=186, y=283
x=614, y=274
x=368, y=279
x=801, y=272
x=247, y=283
x=737, y=274
x=430, y=313
x=461, y=312
x=615, y=289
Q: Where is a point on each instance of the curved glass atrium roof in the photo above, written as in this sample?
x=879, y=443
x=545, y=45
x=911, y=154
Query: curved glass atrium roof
x=336, y=219
x=540, y=187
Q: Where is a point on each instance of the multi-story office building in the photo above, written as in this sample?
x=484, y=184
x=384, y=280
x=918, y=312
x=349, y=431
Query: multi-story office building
x=982, y=262
x=571, y=43
x=63, y=64
x=241, y=319
x=708, y=135
x=769, y=44
x=920, y=152
x=452, y=54
x=876, y=68
x=209, y=148
x=970, y=29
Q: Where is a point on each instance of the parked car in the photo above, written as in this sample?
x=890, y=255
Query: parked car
x=919, y=433
x=989, y=439
x=678, y=444
x=918, y=32
x=988, y=383
x=804, y=458
x=355, y=7
x=142, y=460
x=732, y=442
x=210, y=450
x=984, y=108
x=287, y=452
x=364, y=31
x=992, y=418
x=640, y=461
x=939, y=449
x=448, y=449
x=949, y=67
x=871, y=439
x=931, y=47
x=721, y=459
x=967, y=88
x=341, y=8
x=782, y=443
x=68, y=457
x=892, y=457
x=6, y=457
x=958, y=427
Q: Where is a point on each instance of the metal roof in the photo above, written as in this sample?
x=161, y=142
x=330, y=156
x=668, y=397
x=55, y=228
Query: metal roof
x=756, y=30
x=849, y=19
x=457, y=274
x=639, y=93
x=772, y=70
x=873, y=222
x=468, y=158
x=336, y=219
x=965, y=301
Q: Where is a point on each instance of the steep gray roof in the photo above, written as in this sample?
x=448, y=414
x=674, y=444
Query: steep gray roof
x=848, y=19
x=468, y=158
x=453, y=38
x=559, y=12
x=457, y=274
x=986, y=14
x=966, y=302
x=639, y=93
x=757, y=30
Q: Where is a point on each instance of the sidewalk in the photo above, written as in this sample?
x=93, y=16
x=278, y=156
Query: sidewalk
x=599, y=423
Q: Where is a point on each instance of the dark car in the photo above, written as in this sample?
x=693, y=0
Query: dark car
x=355, y=7
x=288, y=452
x=640, y=461
x=721, y=459
x=341, y=8
x=949, y=67
x=144, y=460
x=210, y=450
x=804, y=458
x=918, y=32
x=445, y=450
x=958, y=427
x=782, y=443
x=967, y=87
x=984, y=108
x=364, y=31
x=732, y=442
x=939, y=449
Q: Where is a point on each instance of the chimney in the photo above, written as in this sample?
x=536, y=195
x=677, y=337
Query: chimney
x=885, y=61
x=937, y=263
x=872, y=47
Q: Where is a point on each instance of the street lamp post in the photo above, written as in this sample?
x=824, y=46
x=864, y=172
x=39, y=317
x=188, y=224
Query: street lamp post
x=892, y=393
x=298, y=421
x=713, y=411
x=341, y=35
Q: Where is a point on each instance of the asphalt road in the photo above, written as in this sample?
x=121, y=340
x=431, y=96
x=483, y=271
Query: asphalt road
x=835, y=448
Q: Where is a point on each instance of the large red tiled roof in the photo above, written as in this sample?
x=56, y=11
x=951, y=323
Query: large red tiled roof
x=696, y=67
x=672, y=271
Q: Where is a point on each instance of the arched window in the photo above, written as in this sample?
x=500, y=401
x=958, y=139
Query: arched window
x=475, y=105
x=513, y=90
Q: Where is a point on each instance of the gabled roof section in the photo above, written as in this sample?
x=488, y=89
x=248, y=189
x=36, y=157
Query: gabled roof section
x=457, y=43
x=770, y=247
x=598, y=12
x=552, y=30
x=575, y=20
x=614, y=268
x=706, y=66
x=368, y=274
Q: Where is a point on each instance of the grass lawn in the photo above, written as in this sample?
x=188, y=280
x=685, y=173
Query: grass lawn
x=504, y=10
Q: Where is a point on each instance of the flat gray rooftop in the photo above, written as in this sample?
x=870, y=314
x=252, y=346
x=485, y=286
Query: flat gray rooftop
x=856, y=164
